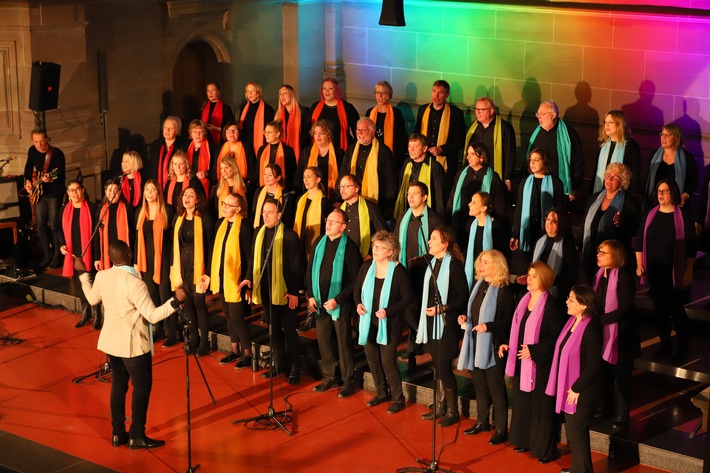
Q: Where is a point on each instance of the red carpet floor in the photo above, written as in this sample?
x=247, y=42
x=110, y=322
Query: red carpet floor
x=39, y=402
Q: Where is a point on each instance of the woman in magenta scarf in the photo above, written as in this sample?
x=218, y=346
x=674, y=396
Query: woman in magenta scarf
x=665, y=251
x=615, y=290
x=536, y=324
x=575, y=377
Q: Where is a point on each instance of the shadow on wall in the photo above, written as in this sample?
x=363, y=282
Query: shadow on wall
x=645, y=121
x=585, y=120
x=126, y=142
x=525, y=108
x=408, y=106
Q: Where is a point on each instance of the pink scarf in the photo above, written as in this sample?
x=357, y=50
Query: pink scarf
x=528, y=368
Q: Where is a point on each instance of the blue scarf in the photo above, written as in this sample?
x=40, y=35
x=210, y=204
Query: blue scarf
x=336, y=278
x=606, y=223
x=555, y=258
x=485, y=187
x=487, y=245
x=616, y=157
x=367, y=297
x=564, y=151
x=478, y=352
x=547, y=200
x=420, y=239
x=680, y=164
x=443, y=282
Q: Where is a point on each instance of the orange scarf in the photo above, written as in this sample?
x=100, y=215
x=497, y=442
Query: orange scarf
x=342, y=117
x=141, y=253
x=203, y=162
x=215, y=119
x=332, y=164
x=121, y=228
x=292, y=132
x=264, y=160
x=86, y=226
x=198, y=261
x=389, y=125
x=240, y=157
x=258, y=124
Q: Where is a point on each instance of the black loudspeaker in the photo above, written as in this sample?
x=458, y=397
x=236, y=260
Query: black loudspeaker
x=392, y=13
x=103, y=84
x=44, y=86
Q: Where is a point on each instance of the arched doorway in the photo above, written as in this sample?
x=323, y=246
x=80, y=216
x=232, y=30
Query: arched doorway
x=195, y=66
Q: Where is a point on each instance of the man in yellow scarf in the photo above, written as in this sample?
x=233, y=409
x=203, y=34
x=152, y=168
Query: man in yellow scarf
x=420, y=166
x=443, y=125
x=364, y=217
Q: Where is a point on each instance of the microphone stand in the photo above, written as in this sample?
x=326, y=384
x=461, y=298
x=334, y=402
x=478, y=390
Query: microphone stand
x=273, y=418
x=433, y=465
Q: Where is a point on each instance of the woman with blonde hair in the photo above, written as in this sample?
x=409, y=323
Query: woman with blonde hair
x=179, y=178
x=293, y=116
x=131, y=185
x=201, y=154
x=255, y=114
x=617, y=146
x=272, y=188
x=312, y=209
x=486, y=327
x=233, y=147
x=323, y=155
x=230, y=182
x=671, y=161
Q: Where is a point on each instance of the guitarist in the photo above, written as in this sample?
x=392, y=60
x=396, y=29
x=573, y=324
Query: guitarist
x=42, y=159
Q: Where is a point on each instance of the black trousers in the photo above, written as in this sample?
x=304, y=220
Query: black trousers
x=325, y=327
x=236, y=326
x=160, y=294
x=577, y=427
x=489, y=385
x=139, y=370
x=411, y=318
x=382, y=360
x=669, y=307
x=198, y=316
x=48, y=224
x=617, y=387
x=284, y=338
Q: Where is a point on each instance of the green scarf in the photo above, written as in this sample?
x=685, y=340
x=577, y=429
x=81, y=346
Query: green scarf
x=420, y=238
x=336, y=278
x=564, y=151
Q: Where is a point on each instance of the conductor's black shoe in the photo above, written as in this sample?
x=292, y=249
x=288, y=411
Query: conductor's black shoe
x=145, y=442
x=98, y=320
x=498, y=438
x=170, y=342
x=565, y=470
x=477, y=428
x=85, y=317
x=118, y=440
x=231, y=356
x=326, y=385
x=377, y=400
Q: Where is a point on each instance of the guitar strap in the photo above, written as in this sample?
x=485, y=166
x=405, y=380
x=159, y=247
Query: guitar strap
x=47, y=159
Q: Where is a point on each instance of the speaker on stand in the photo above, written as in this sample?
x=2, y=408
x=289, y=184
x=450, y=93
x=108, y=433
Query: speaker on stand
x=44, y=90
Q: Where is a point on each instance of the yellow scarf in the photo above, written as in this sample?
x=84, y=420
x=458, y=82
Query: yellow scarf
x=198, y=262
x=278, y=284
x=424, y=176
x=370, y=183
x=443, y=130
x=497, y=145
x=388, y=128
x=260, y=204
x=232, y=261
x=332, y=165
x=313, y=220
x=364, y=217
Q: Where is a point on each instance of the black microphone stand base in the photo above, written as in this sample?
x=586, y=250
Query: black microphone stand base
x=433, y=467
x=193, y=469
x=271, y=418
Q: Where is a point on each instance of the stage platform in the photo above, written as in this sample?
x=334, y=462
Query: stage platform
x=663, y=415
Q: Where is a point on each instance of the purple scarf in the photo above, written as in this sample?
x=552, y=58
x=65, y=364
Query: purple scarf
x=528, y=368
x=678, y=249
x=566, y=365
x=610, y=342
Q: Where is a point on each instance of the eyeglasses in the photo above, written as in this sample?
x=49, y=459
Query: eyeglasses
x=74, y=190
x=381, y=92
x=362, y=130
x=379, y=247
x=268, y=212
x=612, y=178
x=334, y=222
x=603, y=253
x=482, y=109
x=540, y=114
x=345, y=186
x=231, y=132
x=663, y=191
x=228, y=205
x=665, y=134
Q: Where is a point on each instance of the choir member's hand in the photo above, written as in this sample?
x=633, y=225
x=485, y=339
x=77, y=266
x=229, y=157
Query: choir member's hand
x=204, y=282
x=330, y=304
x=688, y=276
x=435, y=151
x=97, y=265
x=361, y=309
x=79, y=265
x=684, y=198
x=381, y=314
x=524, y=353
x=640, y=271
x=522, y=280
x=698, y=229
x=63, y=250
x=292, y=300
x=514, y=244
x=430, y=311
x=501, y=350
x=367, y=257
x=572, y=196
x=462, y=320
x=480, y=328
x=246, y=283
x=180, y=294
x=572, y=397
x=312, y=306
x=508, y=184
x=28, y=186
x=201, y=175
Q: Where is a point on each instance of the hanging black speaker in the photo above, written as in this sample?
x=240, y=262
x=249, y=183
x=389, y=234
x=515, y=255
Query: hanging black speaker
x=103, y=84
x=44, y=86
x=392, y=13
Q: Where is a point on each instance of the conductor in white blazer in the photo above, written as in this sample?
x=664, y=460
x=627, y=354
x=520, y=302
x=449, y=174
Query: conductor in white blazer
x=125, y=338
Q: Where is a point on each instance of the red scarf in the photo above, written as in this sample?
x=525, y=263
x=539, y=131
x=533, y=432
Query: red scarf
x=342, y=116
x=141, y=253
x=203, y=161
x=240, y=157
x=215, y=119
x=126, y=189
x=164, y=163
x=86, y=227
x=121, y=228
x=264, y=160
x=292, y=132
x=258, y=124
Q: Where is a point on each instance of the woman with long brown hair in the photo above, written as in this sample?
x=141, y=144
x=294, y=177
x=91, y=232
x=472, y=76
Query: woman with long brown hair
x=323, y=155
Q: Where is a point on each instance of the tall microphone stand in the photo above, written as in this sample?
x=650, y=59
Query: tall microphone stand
x=433, y=465
x=273, y=418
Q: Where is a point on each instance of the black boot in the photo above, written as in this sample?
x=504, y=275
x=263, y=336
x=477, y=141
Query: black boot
x=98, y=317
x=437, y=409
x=452, y=413
x=85, y=317
x=308, y=324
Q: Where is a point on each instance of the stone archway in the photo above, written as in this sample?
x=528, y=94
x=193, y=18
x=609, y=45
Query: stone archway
x=196, y=64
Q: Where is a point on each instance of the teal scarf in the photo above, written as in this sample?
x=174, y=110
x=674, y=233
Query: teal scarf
x=367, y=297
x=485, y=187
x=606, y=223
x=443, y=282
x=564, y=151
x=547, y=199
x=477, y=350
x=616, y=157
x=680, y=164
x=420, y=238
x=336, y=278
x=487, y=245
